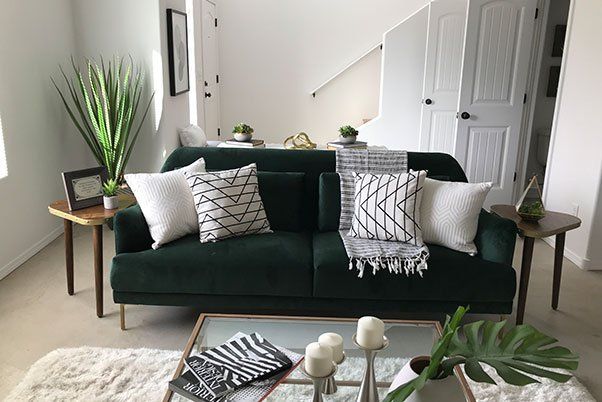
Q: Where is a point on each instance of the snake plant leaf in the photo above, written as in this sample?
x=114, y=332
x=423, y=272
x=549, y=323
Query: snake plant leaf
x=520, y=352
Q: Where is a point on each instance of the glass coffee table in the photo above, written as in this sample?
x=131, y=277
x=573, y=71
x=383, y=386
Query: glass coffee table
x=407, y=339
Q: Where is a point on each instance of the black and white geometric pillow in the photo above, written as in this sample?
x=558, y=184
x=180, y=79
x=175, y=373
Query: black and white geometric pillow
x=228, y=203
x=387, y=207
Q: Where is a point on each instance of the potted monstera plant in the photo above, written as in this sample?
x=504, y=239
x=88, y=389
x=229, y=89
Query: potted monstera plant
x=516, y=355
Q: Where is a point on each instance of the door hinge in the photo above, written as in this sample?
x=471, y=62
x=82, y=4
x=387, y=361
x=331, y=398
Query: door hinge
x=525, y=99
x=216, y=21
x=514, y=178
x=536, y=13
x=217, y=78
x=219, y=132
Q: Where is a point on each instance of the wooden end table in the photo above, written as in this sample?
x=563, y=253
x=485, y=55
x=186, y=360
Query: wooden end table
x=553, y=224
x=92, y=216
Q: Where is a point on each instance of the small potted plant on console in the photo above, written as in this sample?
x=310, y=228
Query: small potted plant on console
x=243, y=132
x=348, y=134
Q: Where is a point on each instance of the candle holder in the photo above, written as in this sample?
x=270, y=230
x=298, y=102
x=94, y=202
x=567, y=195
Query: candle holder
x=330, y=385
x=318, y=381
x=368, y=390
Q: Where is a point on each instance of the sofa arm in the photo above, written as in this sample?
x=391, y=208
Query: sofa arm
x=495, y=238
x=131, y=231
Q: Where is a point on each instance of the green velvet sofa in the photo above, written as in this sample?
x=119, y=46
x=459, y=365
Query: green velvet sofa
x=302, y=267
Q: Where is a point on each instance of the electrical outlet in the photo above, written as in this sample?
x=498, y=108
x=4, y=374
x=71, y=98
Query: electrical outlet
x=575, y=209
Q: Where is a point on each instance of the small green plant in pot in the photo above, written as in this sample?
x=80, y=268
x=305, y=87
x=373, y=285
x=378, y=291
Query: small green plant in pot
x=109, y=190
x=532, y=211
x=516, y=355
x=243, y=132
x=348, y=134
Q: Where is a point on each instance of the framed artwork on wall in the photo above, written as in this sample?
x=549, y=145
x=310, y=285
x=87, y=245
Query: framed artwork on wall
x=177, y=49
x=84, y=187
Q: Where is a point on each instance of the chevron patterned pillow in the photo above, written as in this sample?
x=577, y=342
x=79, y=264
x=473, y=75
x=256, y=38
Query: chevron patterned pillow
x=228, y=203
x=166, y=202
x=450, y=213
x=387, y=207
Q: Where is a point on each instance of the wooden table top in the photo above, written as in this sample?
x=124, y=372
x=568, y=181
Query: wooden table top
x=91, y=216
x=550, y=225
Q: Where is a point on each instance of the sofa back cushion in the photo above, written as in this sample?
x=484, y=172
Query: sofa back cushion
x=438, y=166
x=282, y=196
x=309, y=162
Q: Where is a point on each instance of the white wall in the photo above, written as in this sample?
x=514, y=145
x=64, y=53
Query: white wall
x=399, y=120
x=137, y=28
x=39, y=142
x=575, y=162
x=544, y=106
x=273, y=53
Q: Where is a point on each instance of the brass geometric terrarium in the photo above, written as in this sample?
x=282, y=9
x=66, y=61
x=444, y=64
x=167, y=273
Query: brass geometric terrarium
x=530, y=204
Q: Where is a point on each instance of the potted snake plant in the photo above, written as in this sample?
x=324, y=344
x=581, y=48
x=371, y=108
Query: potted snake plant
x=515, y=354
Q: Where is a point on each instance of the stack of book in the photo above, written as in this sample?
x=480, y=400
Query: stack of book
x=246, y=368
x=334, y=145
x=246, y=144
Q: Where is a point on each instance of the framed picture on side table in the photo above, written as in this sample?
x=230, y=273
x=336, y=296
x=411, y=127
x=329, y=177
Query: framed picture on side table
x=177, y=49
x=84, y=187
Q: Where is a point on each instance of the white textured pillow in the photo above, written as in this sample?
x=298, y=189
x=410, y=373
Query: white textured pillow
x=192, y=136
x=450, y=213
x=166, y=202
x=387, y=207
x=228, y=203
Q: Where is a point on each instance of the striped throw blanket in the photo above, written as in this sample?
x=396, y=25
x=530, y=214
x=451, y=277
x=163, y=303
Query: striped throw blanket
x=397, y=257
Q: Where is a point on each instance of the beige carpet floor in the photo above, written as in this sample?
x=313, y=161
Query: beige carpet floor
x=37, y=316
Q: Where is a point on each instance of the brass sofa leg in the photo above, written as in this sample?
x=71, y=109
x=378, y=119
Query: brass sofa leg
x=122, y=316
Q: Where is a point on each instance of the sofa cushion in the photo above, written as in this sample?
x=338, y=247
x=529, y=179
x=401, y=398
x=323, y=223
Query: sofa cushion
x=282, y=194
x=451, y=275
x=272, y=264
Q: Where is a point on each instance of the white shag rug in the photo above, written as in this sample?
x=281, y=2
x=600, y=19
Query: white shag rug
x=104, y=374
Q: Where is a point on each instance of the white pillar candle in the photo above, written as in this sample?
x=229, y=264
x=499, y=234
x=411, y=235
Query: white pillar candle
x=318, y=360
x=335, y=341
x=370, y=331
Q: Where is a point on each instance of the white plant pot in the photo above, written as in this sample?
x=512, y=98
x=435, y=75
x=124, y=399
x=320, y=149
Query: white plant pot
x=347, y=140
x=242, y=137
x=446, y=389
x=110, y=202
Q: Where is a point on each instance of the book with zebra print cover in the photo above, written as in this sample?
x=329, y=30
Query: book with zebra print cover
x=218, y=371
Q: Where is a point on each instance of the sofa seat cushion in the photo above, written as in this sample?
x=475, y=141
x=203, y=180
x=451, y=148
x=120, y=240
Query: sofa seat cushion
x=271, y=264
x=451, y=275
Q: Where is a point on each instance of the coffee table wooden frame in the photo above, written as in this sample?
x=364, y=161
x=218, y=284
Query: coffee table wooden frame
x=201, y=320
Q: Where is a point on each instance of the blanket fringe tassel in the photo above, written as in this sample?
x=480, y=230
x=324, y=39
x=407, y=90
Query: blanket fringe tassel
x=396, y=265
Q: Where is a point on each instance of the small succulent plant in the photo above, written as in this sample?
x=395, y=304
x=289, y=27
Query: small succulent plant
x=110, y=187
x=532, y=208
x=242, y=128
x=348, y=131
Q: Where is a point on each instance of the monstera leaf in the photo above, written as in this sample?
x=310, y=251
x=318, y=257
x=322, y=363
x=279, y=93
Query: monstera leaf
x=523, y=350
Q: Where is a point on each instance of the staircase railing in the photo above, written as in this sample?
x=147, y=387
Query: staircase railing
x=379, y=45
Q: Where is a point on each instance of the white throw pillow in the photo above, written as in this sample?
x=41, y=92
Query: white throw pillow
x=450, y=213
x=228, y=203
x=166, y=202
x=387, y=207
x=192, y=136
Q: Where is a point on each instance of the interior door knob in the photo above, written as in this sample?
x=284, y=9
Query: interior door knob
x=207, y=94
x=428, y=101
x=465, y=115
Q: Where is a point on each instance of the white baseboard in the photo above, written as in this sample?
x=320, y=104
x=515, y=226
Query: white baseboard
x=582, y=262
x=30, y=252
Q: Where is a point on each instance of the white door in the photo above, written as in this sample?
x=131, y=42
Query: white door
x=210, y=69
x=496, y=58
x=443, y=69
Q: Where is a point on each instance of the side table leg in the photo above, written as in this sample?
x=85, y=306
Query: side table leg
x=68, y=228
x=558, y=256
x=525, y=272
x=97, y=240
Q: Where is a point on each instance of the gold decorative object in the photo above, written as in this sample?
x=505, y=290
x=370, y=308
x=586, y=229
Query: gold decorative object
x=299, y=141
